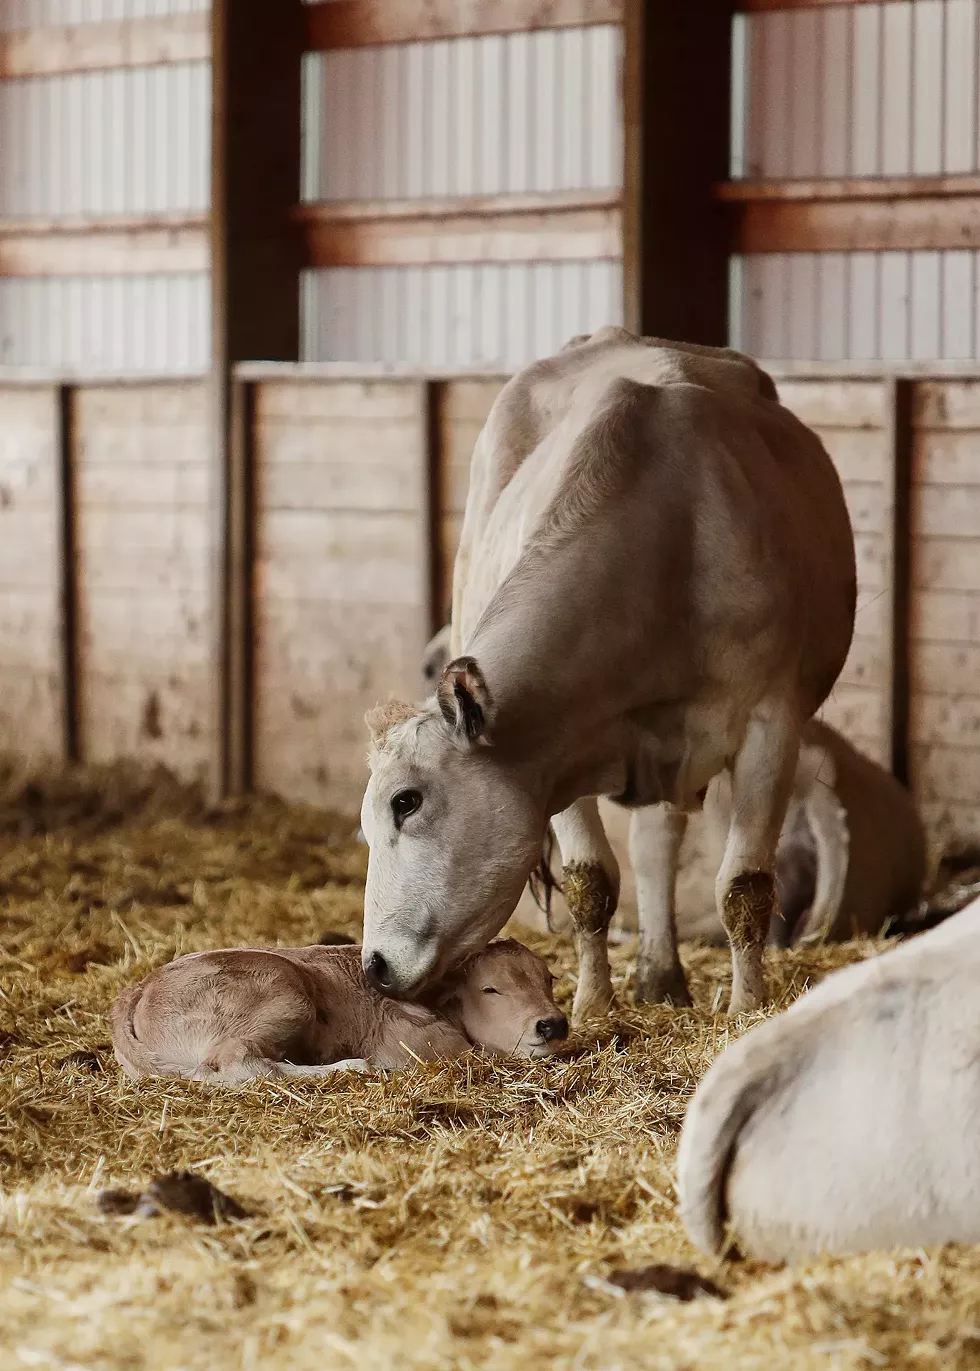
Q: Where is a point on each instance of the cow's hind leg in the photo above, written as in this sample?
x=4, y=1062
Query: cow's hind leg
x=762, y=780
x=656, y=834
x=590, y=884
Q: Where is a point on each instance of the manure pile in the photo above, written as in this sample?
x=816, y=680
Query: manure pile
x=477, y=1214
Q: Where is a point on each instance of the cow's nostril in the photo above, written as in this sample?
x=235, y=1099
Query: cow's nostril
x=552, y=1029
x=378, y=971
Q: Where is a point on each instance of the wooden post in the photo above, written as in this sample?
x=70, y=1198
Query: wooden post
x=255, y=267
x=433, y=477
x=677, y=115
x=67, y=570
x=899, y=573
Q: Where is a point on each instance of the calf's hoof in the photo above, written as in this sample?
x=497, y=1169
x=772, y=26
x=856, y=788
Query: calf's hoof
x=662, y=985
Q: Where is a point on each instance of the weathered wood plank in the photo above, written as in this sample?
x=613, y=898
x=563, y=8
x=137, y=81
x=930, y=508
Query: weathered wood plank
x=946, y=404
x=59, y=50
x=546, y=235
x=946, y=511
x=156, y=716
x=859, y=454
x=30, y=713
x=953, y=721
x=366, y=23
x=947, y=458
x=836, y=404
x=946, y=564
x=363, y=402
x=115, y=485
x=947, y=774
x=341, y=557
x=902, y=224
x=155, y=245
x=946, y=616
x=320, y=665
x=869, y=506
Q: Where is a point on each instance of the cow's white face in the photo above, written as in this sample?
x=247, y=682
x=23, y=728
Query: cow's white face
x=453, y=837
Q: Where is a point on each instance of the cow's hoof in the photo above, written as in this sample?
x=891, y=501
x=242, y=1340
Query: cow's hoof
x=746, y=1001
x=657, y=986
x=591, y=1007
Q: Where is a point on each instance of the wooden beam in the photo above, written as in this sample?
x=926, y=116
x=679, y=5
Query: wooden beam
x=898, y=574
x=118, y=246
x=530, y=228
x=875, y=224
x=257, y=50
x=850, y=188
x=67, y=570
x=763, y=6
x=59, y=50
x=241, y=587
x=431, y=404
x=676, y=94
x=368, y=23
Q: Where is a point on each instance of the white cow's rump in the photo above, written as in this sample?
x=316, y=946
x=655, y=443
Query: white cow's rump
x=655, y=582
x=849, y=1122
x=236, y=1014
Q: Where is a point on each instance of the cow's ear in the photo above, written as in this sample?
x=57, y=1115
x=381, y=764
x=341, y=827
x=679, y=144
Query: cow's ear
x=465, y=700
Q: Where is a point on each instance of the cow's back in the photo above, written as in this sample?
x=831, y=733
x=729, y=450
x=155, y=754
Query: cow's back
x=700, y=500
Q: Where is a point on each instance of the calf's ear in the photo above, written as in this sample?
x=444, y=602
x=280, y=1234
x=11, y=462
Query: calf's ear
x=464, y=699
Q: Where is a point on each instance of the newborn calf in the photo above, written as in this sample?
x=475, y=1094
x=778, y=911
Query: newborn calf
x=233, y=1015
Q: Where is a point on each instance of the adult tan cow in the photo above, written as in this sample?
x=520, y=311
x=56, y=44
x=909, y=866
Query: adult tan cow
x=655, y=581
x=849, y=1122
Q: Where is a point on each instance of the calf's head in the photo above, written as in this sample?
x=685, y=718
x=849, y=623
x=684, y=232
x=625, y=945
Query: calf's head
x=502, y=998
x=453, y=830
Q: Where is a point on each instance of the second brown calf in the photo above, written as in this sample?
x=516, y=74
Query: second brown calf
x=233, y=1015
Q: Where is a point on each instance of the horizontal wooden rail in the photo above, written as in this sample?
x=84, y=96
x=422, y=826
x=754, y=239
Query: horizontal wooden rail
x=527, y=228
x=367, y=23
x=851, y=188
x=119, y=245
x=59, y=50
x=875, y=214
x=760, y=6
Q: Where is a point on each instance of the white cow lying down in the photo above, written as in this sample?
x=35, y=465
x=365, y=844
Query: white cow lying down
x=237, y=1014
x=850, y=1122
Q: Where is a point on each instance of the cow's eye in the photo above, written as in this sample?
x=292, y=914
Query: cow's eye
x=403, y=804
x=490, y=990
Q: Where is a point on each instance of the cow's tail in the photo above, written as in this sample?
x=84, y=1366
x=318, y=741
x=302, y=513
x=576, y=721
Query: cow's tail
x=542, y=883
x=131, y=1055
x=727, y=1097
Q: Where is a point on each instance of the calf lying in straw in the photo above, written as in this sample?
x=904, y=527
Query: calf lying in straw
x=233, y=1015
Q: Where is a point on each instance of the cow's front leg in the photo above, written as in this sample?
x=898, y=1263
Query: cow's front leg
x=590, y=885
x=745, y=891
x=656, y=834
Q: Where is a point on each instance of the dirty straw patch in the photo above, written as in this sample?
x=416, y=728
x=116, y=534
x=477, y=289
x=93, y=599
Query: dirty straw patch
x=474, y=1214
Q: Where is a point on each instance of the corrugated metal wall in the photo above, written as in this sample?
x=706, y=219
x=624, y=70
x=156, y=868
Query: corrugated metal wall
x=482, y=116
x=132, y=142
x=859, y=90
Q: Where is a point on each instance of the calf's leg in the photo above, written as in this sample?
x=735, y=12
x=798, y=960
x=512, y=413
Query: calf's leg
x=656, y=834
x=745, y=891
x=590, y=884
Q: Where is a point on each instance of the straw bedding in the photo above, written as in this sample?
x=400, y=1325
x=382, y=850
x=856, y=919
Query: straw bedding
x=455, y=1216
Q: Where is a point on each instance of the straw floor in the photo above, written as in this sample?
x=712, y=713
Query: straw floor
x=467, y=1215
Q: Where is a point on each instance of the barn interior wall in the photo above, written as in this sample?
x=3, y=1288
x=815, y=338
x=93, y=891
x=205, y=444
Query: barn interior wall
x=350, y=533
x=525, y=112
x=865, y=90
x=91, y=145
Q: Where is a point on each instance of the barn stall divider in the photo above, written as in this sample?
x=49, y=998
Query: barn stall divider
x=157, y=608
